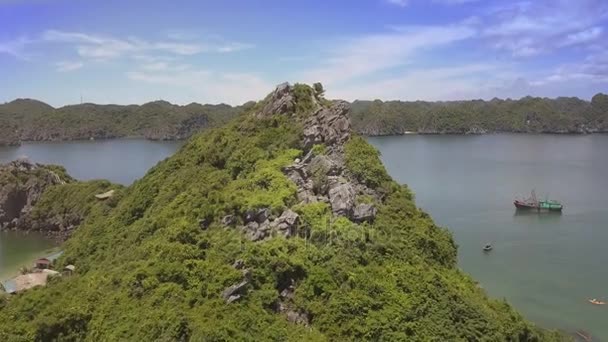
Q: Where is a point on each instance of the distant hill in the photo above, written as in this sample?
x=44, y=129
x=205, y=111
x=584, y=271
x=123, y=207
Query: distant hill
x=526, y=115
x=31, y=120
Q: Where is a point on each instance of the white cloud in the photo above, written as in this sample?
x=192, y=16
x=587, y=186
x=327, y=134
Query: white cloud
x=593, y=69
x=15, y=47
x=529, y=28
x=100, y=47
x=368, y=54
x=455, y=2
x=584, y=36
x=440, y=83
x=68, y=66
x=404, y=3
x=400, y=3
x=156, y=66
x=205, y=85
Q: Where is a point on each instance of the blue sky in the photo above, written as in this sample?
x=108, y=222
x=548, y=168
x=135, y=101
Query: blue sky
x=233, y=51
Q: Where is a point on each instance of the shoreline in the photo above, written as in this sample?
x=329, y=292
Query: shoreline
x=13, y=271
x=59, y=141
x=487, y=133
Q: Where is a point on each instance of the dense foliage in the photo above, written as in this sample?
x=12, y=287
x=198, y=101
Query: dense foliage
x=147, y=271
x=31, y=120
x=63, y=207
x=529, y=114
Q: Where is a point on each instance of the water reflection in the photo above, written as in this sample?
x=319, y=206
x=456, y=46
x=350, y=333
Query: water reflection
x=531, y=215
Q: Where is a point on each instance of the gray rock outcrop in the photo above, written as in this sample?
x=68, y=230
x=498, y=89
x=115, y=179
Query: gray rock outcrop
x=234, y=292
x=342, y=199
x=286, y=224
x=364, y=213
x=281, y=101
x=21, y=186
x=329, y=126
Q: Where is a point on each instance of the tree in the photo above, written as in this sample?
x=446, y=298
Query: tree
x=318, y=87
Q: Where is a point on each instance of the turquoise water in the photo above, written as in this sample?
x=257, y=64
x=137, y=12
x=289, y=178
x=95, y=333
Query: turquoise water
x=547, y=266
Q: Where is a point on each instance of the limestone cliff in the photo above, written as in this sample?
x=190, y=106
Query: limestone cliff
x=44, y=198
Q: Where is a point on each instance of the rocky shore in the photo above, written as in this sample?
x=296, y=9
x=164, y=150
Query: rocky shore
x=44, y=198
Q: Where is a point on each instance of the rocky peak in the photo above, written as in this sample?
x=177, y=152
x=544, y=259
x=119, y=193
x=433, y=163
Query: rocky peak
x=281, y=101
x=330, y=126
x=321, y=174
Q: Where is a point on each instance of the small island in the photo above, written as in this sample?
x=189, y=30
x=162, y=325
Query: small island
x=282, y=224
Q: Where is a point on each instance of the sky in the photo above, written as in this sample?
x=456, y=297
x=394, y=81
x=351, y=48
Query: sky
x=229, y=51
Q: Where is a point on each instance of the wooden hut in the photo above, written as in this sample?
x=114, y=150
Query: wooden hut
x=42, y=263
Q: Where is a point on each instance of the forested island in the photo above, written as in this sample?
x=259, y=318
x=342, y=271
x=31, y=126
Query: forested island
x=31, y=120
x=526, y=115
x=282, y=224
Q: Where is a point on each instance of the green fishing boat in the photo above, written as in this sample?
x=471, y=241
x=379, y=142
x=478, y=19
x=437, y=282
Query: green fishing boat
x=532, y=203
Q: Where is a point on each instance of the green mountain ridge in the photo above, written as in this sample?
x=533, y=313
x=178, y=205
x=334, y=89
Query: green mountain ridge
x=280, y=225
x=31, y=120
x=526, y=115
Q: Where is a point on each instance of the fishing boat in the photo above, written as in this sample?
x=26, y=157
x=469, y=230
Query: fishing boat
x=583, y=335
x=596, y=302
x=487, y=248
x=532, y=203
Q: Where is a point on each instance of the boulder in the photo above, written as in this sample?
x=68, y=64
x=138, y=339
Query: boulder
x=239, y=264
x=312, y=136
x=229, y=220
x=249, y=216
x=329, y=125
x=342, y=199
x=325, y=163
x=233, y=298
x=204, y=223
x=297, y=317
x=287, y=223
x=364, y=213
x=306, y=196
x=262, y=215
x=281, y=101
x=234, y=290
x=258, y=216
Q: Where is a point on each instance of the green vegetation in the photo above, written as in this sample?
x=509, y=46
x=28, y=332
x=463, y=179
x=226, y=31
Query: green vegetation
x=529, y=114
x=65, y=206
x=305, y=98
x=11, y=174
x=36, y=197
x=319, y=149
x=363, y=160
x=31, y=120
x=147, y=271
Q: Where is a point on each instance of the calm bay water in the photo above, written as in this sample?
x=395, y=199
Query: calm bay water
x=18, y=250
x=547, y=266
x=120, y=161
